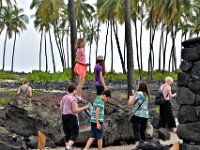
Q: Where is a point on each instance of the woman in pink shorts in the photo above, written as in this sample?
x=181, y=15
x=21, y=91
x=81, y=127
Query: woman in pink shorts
x=81, y=65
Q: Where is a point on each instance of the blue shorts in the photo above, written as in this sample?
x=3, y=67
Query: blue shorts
x=100, y=89
x=96, y=133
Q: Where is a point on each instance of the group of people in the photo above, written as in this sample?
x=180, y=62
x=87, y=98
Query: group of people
x=69, y=103
x=139, y=100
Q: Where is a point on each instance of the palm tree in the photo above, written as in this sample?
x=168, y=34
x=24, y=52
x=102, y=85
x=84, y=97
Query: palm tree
x=8, y=23
x=20, y=24
x=130, y=65
x=73, y=31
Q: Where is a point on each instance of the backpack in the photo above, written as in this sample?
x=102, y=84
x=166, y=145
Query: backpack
x=159, y=98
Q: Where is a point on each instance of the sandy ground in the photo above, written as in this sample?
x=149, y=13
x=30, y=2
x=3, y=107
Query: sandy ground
x=173, y=140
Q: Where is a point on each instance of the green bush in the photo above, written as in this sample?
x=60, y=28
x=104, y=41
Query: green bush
x=8, y=76
x=4, y=101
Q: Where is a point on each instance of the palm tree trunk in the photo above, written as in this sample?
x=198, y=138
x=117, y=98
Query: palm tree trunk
x=164, y=51
x=106, y=40
x=111, y=41
x=97, y=40
x=90, y=55
x=40, y=52
x=72, y=21
x=13, y=53
x=141, y=31
x=119, y=49
x=67, y=49
x=45, y=47
x=52, y=54
x=4, y=51
x=130, y=65
x=160, y=47
x=137, y=49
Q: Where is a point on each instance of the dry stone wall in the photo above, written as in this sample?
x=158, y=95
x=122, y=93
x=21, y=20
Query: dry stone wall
x=188, y=95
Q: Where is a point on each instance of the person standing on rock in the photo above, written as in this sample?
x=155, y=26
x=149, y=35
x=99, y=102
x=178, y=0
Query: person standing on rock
x=25, y=89
x=70, y=110
x=81, y=66
x=166, y=115
x=99, y=72
x=97, y=120
x=140, y=101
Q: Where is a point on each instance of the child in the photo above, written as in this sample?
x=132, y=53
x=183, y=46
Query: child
x=140, y=101
x=81, y=65
x=97, y=120
x=99, y=72
x=70, y=110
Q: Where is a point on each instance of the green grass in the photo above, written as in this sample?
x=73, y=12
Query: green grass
x=40, y=76
x=4, y=101
x=8, y=76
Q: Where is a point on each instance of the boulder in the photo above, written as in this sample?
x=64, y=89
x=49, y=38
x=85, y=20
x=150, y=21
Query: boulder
x=185, y=146
x=194, y=86
x=189, y=132
x=185, y=96
x=183, y=79
x=187, y=113
x=191, y=42
x=186, y=66
x=42, y=112
x=191, y=54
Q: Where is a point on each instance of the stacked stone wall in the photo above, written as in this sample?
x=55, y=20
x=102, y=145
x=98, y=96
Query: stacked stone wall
x=188, y=95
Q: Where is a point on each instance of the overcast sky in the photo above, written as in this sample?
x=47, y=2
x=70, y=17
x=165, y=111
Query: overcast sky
x=27, y=47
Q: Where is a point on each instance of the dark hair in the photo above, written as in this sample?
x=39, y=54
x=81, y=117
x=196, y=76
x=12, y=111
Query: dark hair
x=102, y=63
x=107, y=93
x=143, y=87
x=71, y=88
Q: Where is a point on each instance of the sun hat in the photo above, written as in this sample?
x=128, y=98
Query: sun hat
x=100, y=57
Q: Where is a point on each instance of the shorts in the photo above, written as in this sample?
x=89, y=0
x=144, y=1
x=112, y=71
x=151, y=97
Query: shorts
x=70, y=127
x=96, y=133
x=100, y=89
x=80, y=70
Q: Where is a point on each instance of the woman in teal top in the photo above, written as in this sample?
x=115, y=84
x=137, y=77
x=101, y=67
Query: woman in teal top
x=140, y=101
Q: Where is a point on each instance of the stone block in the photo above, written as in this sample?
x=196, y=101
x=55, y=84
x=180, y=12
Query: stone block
x=187, y=113
x=164, y=134
x=189, y=147
x=186, y=65
x=197, y=100
x=183, y=79
x=189, y=132
x=195, y=72
x=191, y=54
x=191, y=42
x=185, y=96
x=194, y=86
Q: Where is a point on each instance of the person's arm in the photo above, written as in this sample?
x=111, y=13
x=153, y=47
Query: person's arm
x=171, y=95
x=18, y=91
x=131, y=100
x=78, y=56
x=30, y=91
x=76, y=109
x=61, y=106
x=97, y=118
x=102, y=80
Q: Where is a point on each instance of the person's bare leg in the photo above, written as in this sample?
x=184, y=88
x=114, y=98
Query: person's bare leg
x=80, y=86
x=99, y=143
x=88, y=144
x=70, y=143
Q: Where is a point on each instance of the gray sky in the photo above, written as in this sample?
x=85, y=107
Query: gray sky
x=27, y=47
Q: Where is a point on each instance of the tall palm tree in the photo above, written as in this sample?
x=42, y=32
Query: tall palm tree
x=128, y=37
x=7, y=23
x=20, y=24
x=73, y=31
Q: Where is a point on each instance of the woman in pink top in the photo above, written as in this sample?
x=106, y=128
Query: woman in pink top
x=70, y=110
x=166, y=115
x=81, y=65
